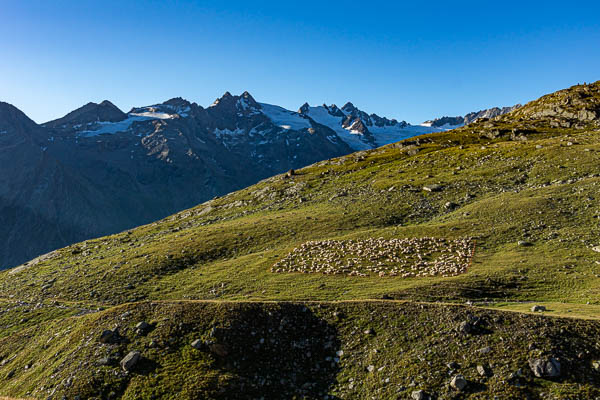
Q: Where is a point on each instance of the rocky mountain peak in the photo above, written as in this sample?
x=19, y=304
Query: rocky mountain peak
x=91, y=112
x=335, y=111
x=304, y=108
x=11, y=118
x=177, y=102
x=349, y=107
x=247, y=101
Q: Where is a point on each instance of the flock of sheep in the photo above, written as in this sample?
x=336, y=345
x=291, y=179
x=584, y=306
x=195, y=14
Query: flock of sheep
x=409, y=257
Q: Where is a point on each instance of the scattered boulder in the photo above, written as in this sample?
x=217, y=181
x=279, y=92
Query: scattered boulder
x=538, y=308
x=432, y=188
x=110, y=336
x=483, y=370
x=369, y=331
x=419, y=395
x=453, y=365
x=105, y=361
x=130, y=360
x=458, y=382
x=142, y=327
x=465, y=327
x=596, y=249
x=524, y=243
x=450, y=205
x=545, y=367
x=198, y=344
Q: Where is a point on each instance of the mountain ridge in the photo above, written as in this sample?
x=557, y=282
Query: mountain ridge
x=456, y=122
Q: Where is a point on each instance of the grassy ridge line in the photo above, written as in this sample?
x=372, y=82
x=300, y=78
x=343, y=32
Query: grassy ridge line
x=554, y=310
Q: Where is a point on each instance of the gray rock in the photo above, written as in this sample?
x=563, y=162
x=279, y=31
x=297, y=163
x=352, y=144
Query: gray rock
x=453, y=365
x=545, y=367
x=142, y=327
x=450, y=205
x=458, y=382
x=432, y=188
x=465, y=327
x=483, y=370
x=197, y=344
x=485, y=350
x=538, y=308
x=596, y=249
x=419, y=395
x=130, y=360
x=109, y=336
x=104, y=361
x=524, y=243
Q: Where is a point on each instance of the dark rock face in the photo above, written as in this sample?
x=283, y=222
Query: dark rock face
x=452, y=121
x=91, y=112
x=98, y=171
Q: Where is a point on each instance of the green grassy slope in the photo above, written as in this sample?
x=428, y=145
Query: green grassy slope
x=530, y=176
x=295, y=350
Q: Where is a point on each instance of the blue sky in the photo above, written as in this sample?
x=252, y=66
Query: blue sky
x=407, y=61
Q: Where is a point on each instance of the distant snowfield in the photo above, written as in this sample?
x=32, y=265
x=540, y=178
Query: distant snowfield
x=285, y=119
x=382, y=135
x=113, y=127
x=122, y=126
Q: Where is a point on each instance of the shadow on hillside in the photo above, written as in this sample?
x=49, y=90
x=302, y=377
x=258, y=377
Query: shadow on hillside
x=277, y=352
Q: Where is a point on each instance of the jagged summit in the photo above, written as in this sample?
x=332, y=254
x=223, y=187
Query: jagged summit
x=304, y=108
x=232, y=103
x=349, y=107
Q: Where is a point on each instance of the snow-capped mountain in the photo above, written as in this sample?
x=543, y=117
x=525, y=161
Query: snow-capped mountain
x=99, y=170
x=455, y=122
x=360, y=130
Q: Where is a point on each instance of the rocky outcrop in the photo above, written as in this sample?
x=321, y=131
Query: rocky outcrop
x=576, y=107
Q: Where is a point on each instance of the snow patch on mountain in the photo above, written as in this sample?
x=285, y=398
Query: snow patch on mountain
x=154, y=115
x=322, y=116
x=285, y=119
x=390, y=134
x=219, y=133
x=103, y=127
x=379, y=135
